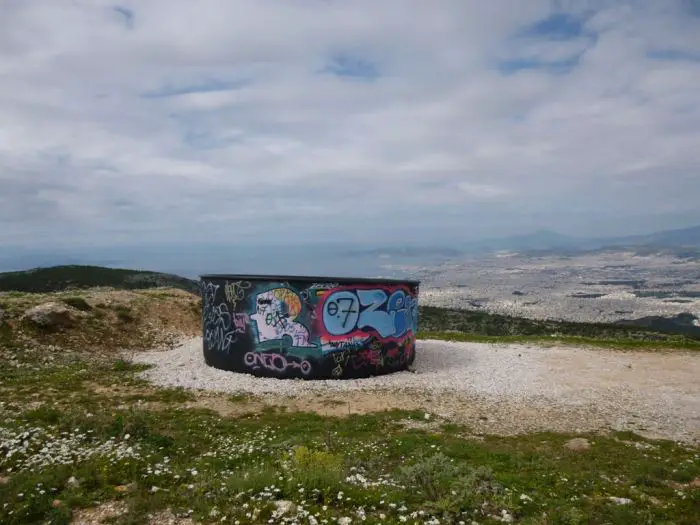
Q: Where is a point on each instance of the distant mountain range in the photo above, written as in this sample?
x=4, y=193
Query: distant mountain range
x=683, y=242
x=683, y=239
x=349, y=259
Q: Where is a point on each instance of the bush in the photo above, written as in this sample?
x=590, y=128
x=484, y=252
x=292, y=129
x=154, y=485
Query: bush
x=78, y=303
x=450, y=486
x=124, y=313
x=430, y=475
x=316, y=469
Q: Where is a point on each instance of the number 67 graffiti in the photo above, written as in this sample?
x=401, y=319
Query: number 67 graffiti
x=346, y=311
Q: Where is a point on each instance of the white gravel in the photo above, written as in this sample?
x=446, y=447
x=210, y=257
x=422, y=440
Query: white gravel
x=654, y=392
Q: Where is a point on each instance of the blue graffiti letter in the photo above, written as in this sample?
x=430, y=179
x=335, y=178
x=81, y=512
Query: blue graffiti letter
x=398, y=306
x=341, y=312
x=382, y=322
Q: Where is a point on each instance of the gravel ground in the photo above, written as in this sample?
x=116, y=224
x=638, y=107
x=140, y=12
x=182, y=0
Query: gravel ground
x=494, y=388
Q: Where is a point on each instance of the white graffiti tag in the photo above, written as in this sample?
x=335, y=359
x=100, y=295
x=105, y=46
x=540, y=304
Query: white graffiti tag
x=219, y=333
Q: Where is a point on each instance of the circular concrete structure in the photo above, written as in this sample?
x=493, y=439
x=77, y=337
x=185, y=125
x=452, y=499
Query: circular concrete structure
x=309, y=327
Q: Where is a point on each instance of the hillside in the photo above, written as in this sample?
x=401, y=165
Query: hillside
x=485, y=324
x=104, y=308
x=61, y=278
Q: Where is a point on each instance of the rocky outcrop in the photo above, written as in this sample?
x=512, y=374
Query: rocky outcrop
x=52, y=315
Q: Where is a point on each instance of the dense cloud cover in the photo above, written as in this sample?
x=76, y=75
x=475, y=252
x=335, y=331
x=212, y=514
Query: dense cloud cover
x=279, y=120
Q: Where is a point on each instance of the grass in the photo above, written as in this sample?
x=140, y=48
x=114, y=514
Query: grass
x=484, y=326
x=78, y=430
x=76, y=433
x=556, y=339
x=78, y=303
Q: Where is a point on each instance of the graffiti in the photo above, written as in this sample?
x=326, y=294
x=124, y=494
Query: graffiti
x=275, y=363
x=316, y=290
x=349, y=311
x=240, y=322
x=235, y=292
x=350, y=343
x=216, y=319
x=308, y=329
x=275, y=317
x=371, y=358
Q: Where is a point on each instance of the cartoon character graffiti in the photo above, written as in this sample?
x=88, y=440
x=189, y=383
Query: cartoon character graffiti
x=275, y=317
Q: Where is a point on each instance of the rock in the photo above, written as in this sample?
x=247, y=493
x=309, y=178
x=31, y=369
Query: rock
x=620, y=501
x=578, y=444
x=52, y=315
x=4, y=480
x=283, y=507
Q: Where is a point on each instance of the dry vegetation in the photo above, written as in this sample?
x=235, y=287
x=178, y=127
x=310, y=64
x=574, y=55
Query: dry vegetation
x=102, y=321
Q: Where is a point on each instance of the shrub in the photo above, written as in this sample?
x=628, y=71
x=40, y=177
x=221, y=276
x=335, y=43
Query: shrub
x=430, y=475
x=316, y=469
x=78, y=303
x=124, y=313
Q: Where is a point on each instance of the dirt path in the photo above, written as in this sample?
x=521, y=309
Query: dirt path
x=500, y=389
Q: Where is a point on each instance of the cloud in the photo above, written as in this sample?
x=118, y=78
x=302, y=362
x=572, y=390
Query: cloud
x=306, y=119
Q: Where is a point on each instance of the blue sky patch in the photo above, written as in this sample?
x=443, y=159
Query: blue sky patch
x=560, y=26
x=351, y=66
x=209, y=86
x=509, y=67
x=673, y=54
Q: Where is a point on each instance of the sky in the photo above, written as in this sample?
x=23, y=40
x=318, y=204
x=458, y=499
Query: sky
x=287, y=121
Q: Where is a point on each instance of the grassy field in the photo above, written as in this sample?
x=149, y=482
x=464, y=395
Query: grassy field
x=82, y=436
x=484, y=324
x=671, y=343
x=89, y=434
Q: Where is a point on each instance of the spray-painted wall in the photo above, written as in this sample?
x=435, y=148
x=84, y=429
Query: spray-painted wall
x=309, y=328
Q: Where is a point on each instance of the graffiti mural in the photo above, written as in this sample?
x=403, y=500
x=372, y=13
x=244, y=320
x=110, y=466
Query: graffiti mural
x=275, y=317
x=308, y=328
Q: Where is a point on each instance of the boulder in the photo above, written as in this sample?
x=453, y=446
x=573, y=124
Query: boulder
x=578, y=444
x=52, y=315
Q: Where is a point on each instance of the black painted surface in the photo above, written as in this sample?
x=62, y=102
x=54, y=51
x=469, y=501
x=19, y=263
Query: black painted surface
x=309, y=327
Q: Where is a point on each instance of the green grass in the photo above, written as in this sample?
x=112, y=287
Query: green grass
x=619, y=344
x=86, y=446
x=492, y=327
x=77, y=302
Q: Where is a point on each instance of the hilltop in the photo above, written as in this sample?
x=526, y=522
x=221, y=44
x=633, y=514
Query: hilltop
x=62, y=278
x=98, y=420
x=99, y=309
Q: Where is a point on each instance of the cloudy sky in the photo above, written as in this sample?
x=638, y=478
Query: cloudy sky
x=277, y=121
